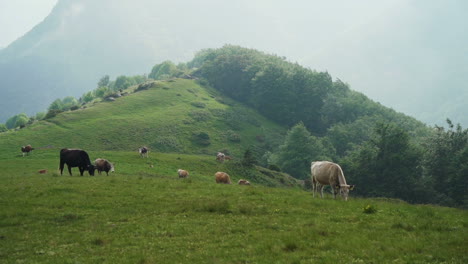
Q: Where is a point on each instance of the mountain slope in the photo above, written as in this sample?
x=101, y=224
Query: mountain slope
x=175, y=116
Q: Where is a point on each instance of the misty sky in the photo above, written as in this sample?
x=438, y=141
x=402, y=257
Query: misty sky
x=17, y=17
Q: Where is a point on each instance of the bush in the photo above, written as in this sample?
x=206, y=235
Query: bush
x=370, y=209
x=274, y=167
x=202, y=138
x=198, y=104
x=232, y=136
x=200, y=115
x=52, y=113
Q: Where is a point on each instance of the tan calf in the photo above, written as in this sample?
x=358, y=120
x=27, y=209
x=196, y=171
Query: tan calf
x=222, y=177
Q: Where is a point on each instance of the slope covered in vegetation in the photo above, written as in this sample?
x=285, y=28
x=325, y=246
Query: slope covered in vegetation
x=176, y=116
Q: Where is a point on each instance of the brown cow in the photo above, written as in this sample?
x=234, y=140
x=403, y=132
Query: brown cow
x=222, y=177
x=182, y=173
x=26, y=149
x=329, y=173
x=103, y=165
x=243, y=182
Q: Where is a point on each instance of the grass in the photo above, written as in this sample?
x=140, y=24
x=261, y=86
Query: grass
x=148, y=215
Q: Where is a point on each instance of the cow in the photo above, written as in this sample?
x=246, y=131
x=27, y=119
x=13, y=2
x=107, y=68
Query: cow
x=76, y=158
x=243, y=182
x=143, y=152
x=183, y=173
x=103, y=165
x=220, y=157
x=329, y=173
x=226, y=157
x=222, y=177
x=42, y=171
x=26, y=149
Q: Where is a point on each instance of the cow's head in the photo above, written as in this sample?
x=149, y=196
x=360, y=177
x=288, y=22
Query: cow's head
x=344, y=190
x=91, y=169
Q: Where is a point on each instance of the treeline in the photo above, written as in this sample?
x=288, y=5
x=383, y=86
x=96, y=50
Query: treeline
x=105, y=89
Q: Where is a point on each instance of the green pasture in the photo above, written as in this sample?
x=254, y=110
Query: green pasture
x=146, y=214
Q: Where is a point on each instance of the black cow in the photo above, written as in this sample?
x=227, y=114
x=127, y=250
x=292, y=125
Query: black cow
x=143, y=151
x=76, y=158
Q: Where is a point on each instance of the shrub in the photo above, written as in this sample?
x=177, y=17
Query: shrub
x=233, y=136
x=3, y=128
x=52, y=113
x=200, y=115
x=370, y=209
x=274, y=167
x=198, y=104
x=202, y=138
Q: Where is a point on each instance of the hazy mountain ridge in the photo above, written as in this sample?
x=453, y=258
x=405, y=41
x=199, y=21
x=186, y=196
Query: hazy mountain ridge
x=80, y=41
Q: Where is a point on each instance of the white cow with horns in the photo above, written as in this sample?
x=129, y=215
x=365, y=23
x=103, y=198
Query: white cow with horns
x=329, y=173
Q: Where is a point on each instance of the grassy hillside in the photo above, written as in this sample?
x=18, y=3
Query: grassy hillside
x=143, y=214
x=175, y=116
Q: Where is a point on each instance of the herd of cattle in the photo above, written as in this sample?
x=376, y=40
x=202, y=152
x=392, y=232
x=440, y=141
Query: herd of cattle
x=323, y=172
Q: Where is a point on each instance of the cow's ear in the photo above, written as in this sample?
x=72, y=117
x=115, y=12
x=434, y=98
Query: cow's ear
x=351, y=187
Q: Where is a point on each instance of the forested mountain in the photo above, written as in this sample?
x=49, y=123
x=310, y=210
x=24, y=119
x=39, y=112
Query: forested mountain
x=404, y=54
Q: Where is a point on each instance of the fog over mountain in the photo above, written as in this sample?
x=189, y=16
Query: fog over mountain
x=408, y=55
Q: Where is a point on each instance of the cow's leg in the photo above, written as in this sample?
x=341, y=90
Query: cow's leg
x=313, y=189
x=81, y=170
x=61, y=167
x=321, y=190
x=69, y=169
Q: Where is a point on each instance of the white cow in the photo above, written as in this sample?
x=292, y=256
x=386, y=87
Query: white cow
x=329, y=173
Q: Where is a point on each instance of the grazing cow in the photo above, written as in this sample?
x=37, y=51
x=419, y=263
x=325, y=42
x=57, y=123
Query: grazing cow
x=143, y=152
x=220, y=157
x=76, y=158
x=243, y=182
x=42, y=171
x=329, y=173
x=222, y=177
x=103, y=165
x=26, y=149
x=226, y=157
x=182, y=173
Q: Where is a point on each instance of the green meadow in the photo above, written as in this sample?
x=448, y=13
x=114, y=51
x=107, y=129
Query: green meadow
x=143, y=213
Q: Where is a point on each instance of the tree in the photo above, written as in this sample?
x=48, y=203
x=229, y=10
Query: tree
x=300, y=148
x=248, y=160
x=445, y=161
x=104, y=81
x=17, y=121
x=165, y=70
x=57, y=104
x=388, y=165
x=3, y=128
x=69, y=102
